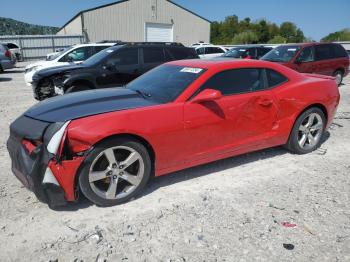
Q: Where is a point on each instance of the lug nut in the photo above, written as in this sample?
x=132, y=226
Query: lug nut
x=114, y=166
x=121, y=167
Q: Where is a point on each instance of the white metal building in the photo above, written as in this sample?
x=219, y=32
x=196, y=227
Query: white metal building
x=138, y=21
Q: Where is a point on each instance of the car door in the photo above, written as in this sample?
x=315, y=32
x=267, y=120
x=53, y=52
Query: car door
x=243, y=118
x=305, y=61
x=151, y=58
x=119, y=68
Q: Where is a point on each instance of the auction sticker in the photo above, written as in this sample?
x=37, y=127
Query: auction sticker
x=191, y=70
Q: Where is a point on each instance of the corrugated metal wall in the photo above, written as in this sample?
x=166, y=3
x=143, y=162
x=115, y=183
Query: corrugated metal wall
x=38, y=46
x=126, y=21
x=73, y=28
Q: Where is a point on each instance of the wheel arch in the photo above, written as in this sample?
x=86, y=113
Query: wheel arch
x=134, y=137
x=341, y=69
x=80, y=82
x=317, y=105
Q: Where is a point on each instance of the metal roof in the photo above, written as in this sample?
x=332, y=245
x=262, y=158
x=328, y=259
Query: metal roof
x=122, y=1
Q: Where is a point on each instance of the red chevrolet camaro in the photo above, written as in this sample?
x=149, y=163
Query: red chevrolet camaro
x=107, y=143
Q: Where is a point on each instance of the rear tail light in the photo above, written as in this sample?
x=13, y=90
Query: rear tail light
x=8, y=54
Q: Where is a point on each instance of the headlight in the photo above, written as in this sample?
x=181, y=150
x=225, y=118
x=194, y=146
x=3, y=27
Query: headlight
x=53, y=136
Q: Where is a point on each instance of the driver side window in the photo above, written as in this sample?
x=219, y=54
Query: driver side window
x=306, y=55
x=77, y=55
x=237, y=81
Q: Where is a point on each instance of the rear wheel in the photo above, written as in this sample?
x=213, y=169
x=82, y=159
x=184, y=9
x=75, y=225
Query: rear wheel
x=77, y=88
x=307, y=131
x=115, y=171
x=338, y=76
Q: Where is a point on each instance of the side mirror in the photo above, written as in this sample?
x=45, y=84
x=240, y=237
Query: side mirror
x=207, y=95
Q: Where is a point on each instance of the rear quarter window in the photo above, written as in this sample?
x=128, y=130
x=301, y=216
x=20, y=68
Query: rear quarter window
x=274, y=78
x=339, y=51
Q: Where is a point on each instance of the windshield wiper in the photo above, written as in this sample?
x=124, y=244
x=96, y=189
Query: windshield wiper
x=144, y=95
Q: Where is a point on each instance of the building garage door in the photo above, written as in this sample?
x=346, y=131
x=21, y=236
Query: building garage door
x=159, y=32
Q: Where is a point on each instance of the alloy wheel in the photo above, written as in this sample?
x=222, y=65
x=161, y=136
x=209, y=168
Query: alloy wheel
x=116, y=172
x=310, y=131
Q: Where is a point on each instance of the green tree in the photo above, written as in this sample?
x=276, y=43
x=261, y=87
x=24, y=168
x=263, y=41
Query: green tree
x=248, y=37
x=342, y=35
x=277, y=40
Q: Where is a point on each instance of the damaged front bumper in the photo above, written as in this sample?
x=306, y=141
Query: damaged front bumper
x=35, y=148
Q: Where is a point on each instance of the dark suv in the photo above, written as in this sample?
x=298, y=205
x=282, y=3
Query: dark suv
x=113, y=67
x=315, y=58
x=247, y=52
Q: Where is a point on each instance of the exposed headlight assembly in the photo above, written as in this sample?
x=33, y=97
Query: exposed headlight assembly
x=53, y=136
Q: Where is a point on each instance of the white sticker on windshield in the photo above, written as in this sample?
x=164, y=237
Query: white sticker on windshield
x=292, y=49
x=242, y=50
x=109, y=51
x=191, y=70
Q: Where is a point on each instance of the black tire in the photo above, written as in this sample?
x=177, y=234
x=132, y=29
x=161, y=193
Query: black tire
x=1, y=70
x=77, y=88
x=339, y=76
x=293, y=144
x=84, y=173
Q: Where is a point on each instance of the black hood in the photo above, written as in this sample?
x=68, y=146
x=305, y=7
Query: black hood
x=58, y=69
x=87, y=103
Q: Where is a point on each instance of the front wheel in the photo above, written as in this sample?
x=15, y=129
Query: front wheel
x=115, y=171
x=307, y=131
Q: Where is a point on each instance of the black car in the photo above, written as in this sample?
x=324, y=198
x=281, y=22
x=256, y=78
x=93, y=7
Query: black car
x=113, y=67
x=247, y=52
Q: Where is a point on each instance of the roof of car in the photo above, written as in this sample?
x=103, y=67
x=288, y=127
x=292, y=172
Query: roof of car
x=309, y=44
x=238, y=63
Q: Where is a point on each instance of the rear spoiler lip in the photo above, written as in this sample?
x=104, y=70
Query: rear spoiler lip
x=320, y=76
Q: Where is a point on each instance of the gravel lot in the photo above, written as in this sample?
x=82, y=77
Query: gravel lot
x=230, y=210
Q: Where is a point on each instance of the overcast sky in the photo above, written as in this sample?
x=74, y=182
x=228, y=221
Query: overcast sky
x=316, y=18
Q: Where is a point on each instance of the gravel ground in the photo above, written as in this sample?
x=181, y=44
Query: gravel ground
x=230, y=210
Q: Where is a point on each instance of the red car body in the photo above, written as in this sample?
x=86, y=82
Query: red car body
x=186, y=133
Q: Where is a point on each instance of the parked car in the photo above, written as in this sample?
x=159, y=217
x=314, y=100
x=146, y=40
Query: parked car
x=320, y=58
x=71, y=55
x=7, y=59
x=210, y=51
x=107, y=143
x=247, y=52
x=16, y=50
x=113, y=67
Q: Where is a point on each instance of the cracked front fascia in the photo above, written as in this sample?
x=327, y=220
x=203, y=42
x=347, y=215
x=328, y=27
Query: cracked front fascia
x=65, y=173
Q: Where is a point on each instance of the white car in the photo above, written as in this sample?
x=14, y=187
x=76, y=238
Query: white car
x=210, y=51
x=74, y=54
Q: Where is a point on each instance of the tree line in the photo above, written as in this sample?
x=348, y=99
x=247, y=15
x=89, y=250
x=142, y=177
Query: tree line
x=235, y=31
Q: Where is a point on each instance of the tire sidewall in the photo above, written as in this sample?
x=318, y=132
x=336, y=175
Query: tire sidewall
x=293, y=143
x=83, y=174
x=341, y=76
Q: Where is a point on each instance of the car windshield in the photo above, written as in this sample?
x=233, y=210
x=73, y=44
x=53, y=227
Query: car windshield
x=100, y=56
x=57, y=54
x=166, y=82
x=281, y=53
x=235, y=52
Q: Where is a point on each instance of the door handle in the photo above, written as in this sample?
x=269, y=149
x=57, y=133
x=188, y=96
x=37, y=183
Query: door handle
x=265, y=102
